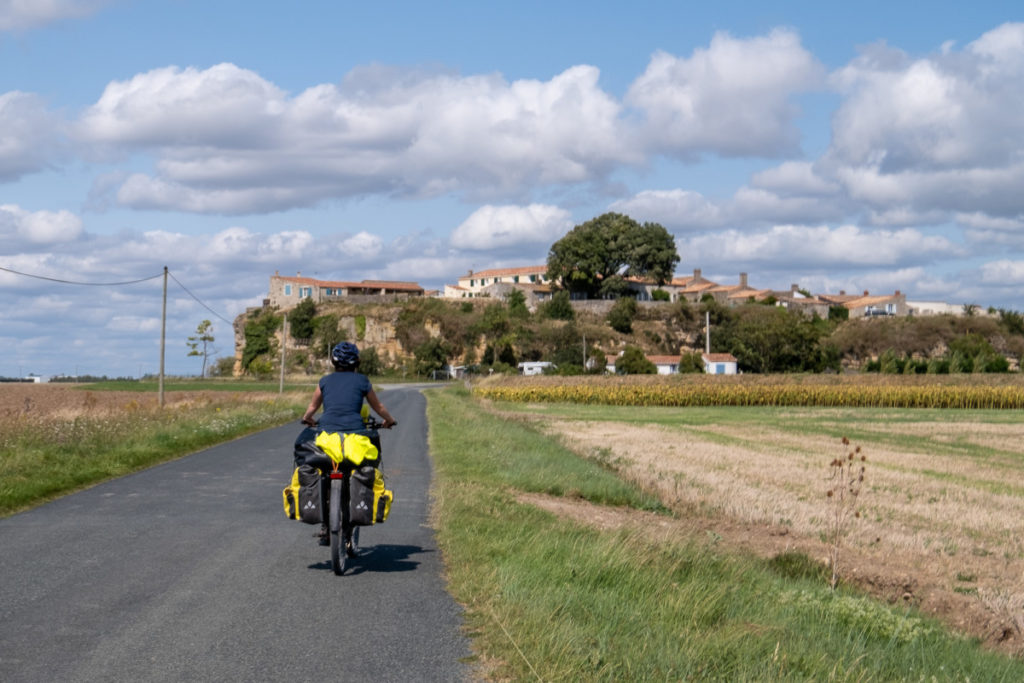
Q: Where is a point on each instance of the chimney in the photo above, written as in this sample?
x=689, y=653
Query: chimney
x=743, y=280
x=897, y=293
x=842, y=292
x=865, y=292
x=276, y=273
x=793, y=289
x=696, y=274
x=298, y=273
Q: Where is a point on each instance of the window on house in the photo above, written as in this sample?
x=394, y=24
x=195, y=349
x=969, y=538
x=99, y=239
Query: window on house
x=533, y=278
x=472, y=283
x=287, y=290
x=515, y=279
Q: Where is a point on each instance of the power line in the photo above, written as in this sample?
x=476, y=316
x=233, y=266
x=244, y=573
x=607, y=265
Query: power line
x=87, y=284
x=198, y=300
x=116, y=284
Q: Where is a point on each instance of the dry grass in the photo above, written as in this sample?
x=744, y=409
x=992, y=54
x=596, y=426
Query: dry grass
x=940, y=531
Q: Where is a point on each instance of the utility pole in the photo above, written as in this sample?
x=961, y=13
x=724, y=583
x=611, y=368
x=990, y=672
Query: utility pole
x=284, y=342
x=163, y=341
x=707, y=331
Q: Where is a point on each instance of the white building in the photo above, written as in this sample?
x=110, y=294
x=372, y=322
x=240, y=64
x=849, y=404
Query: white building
x=719, y=363
x=535, y=367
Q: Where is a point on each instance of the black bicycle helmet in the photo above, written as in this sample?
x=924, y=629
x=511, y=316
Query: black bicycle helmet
x=345, y=355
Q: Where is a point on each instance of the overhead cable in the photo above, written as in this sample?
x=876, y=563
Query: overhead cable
x=198, y=300
x=116, y=284
x=87, y=284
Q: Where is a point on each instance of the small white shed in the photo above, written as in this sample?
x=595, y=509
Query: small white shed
x=719, y=363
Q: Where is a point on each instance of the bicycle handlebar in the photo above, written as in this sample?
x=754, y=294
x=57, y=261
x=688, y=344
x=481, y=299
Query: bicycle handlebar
x=371, y=424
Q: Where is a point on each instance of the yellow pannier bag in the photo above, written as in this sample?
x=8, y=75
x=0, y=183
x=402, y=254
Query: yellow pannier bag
x=291, y=497
x=354, y=448
x=382, y=498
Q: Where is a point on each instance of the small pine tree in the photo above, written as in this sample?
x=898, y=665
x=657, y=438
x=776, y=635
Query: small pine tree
x=201, y=343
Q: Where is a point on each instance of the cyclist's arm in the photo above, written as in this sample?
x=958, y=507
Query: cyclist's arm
x=378, y=407
x=314, y=405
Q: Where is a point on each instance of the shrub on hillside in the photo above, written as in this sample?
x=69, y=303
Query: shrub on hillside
x=621, y=315
x=633, y=362
x=300, y=319
x=558, y=307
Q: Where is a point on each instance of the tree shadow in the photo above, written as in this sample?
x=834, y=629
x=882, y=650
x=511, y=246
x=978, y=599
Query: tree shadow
x=384, y=558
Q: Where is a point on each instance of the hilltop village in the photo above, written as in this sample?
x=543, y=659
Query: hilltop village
x=514, y=319
x=287, y=291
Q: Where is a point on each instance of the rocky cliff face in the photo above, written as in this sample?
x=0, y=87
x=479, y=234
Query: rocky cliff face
x=369, y=326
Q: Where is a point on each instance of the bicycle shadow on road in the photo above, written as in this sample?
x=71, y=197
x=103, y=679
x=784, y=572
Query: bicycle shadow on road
x=383, y=558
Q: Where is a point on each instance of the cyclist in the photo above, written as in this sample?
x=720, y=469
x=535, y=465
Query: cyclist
x=341, y=395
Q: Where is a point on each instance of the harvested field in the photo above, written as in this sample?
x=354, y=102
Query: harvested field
x=942, y=506
x=67, y=401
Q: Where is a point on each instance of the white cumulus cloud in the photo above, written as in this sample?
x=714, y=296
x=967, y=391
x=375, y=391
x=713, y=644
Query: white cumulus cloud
x=229, y=141
x=497, y=227
x=820, y=246
x=21, y=228
x=1004, y=272
x=941, y=132
x=733, y=97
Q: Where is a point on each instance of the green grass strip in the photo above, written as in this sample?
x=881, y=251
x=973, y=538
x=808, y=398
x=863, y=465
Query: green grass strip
x=548, y=599
x=43, y=460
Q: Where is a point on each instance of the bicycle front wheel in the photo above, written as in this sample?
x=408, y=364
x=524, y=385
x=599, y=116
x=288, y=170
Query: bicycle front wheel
x=334, y=528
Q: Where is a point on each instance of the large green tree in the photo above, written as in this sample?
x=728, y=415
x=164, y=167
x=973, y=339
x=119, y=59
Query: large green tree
x=597, y=256
x=772, y=339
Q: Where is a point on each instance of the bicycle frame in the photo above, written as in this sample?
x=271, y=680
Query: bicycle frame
x=344, y=537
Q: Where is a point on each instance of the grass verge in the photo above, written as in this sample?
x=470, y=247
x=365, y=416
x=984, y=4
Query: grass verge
x=46, y=455
x=548, y=599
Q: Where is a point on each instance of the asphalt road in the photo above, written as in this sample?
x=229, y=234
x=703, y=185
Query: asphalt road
x=189, y=571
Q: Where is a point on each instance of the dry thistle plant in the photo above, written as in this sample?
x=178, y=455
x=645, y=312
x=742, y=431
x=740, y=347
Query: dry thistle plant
x=846, y=478
x=1008, y=607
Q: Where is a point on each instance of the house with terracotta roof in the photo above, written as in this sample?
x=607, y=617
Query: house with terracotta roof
x=287, y=292
x=738, y=294
x=473, y=284
x=666, y=365
x=795, y=300
x=719, y=363
x=867, y=305
x=692, y=288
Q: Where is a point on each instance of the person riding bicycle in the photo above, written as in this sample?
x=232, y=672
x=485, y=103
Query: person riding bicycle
x=341, y=395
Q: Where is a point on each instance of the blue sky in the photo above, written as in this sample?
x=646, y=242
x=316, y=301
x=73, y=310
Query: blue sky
x=858, y=146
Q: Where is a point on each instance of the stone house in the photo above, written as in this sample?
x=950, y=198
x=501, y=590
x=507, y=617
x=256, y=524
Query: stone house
x=286, y=292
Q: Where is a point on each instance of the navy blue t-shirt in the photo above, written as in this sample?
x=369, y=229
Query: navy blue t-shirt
x=343, y=394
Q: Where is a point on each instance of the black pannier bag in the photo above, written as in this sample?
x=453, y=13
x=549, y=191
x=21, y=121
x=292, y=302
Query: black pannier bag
x=302, y=496
x=369, y=501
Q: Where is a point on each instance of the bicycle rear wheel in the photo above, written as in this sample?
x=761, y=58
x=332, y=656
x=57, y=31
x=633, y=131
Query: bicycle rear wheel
x=334, y=528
